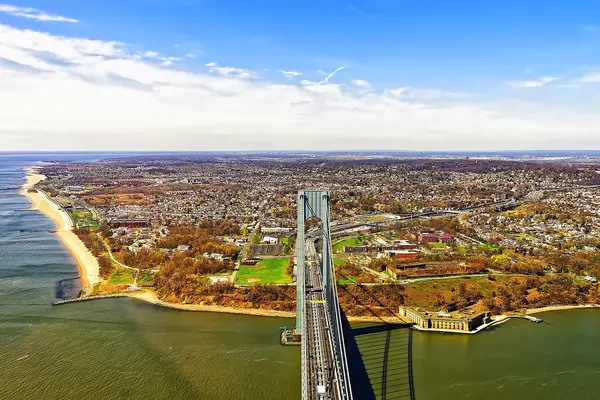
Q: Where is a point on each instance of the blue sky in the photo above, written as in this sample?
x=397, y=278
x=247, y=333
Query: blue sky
x=531, y=66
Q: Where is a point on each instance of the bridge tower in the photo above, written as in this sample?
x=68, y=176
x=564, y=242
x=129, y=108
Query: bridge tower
x=311, y=203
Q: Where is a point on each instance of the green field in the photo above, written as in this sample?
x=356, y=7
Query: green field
x=354, y=241
x=88, y=223
x=83, y=219
x=145, y=277
x=438, y=245
x=268, y=270
x=338, y=261
x=121, y=277
x=490, y=246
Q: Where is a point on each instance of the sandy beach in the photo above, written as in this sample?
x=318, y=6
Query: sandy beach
x=151, y=297
x=86, y=262
x=560, y=308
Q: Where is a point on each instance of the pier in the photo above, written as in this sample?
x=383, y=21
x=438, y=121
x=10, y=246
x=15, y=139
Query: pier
x=79, y=299
x=528, y=317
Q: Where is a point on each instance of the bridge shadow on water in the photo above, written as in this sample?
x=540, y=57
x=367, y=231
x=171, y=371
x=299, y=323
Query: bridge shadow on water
x=380, y=360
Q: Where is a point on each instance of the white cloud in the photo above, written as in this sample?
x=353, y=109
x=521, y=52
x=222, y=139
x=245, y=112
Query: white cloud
x=593, y=78
x=290, y=74
x=232, y=72
x=362, y=84
x=151, y=54
x=32, y=13
x=542, y=81
x=68, y=93
x=399, y=92
x=166, y=61
x=569, y=85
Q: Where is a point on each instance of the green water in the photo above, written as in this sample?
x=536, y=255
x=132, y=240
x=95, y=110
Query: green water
x=558, y=359
x=125, y=349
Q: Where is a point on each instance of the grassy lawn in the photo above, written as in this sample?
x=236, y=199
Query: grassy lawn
x=121, y=277
x=81, y=214
x=268, y=270
x=350, y=281
x=437, y=245
x=338, y=261
x=423, y=294
x=355, y=241
x=83, y=219
x=492, y=247
x=144, y=278
x=88, y=223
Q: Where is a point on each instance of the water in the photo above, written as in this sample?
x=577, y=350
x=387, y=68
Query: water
x=558, y=359
x=126, y=349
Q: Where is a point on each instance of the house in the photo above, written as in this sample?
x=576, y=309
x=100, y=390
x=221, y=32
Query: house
x=446, y=238
x=400, y=253
x=592, y=279
x=215, y=256
x=435, y=238
x=428, y=238
x=270, y=240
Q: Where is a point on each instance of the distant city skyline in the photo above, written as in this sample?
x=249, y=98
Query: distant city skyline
x=246, y=75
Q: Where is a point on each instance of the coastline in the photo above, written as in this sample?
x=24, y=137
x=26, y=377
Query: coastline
x=150, y=297
x=560, y=308
x=87, y=264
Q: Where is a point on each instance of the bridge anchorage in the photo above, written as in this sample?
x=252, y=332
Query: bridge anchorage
x=325, y=373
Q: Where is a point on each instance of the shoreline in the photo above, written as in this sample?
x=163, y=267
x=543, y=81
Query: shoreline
x=86, y=263
x=559, y=308
x=151, y=297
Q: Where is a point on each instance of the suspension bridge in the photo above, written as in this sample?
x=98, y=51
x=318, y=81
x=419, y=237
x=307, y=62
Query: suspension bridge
x=325, y=372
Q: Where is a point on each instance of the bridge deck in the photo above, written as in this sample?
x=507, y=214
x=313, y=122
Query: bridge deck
x=318, y=340
x=324, y=362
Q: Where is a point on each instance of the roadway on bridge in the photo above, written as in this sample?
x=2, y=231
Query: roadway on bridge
x=318, y=340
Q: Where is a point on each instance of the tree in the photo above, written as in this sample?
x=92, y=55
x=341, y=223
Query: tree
x=501, y=261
